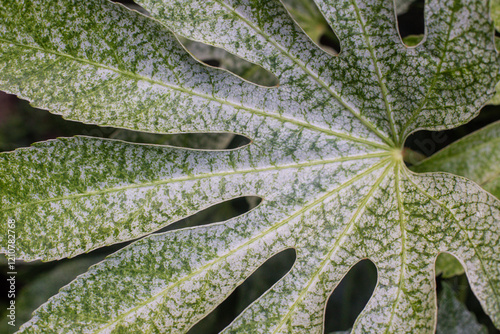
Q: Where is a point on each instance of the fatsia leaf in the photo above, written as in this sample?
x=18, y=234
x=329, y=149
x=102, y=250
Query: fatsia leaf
x=325, y=158
x=413, y=40
x=496, y=98
x=474, y=156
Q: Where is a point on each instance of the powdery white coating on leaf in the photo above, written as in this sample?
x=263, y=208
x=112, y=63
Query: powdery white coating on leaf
x=468, y=229
x=231, y=247
x=128, y=190
x=436, y=75
x=322, y=158
x=157, y=88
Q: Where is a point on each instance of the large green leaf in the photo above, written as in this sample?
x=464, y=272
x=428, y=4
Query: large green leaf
x=325, y=157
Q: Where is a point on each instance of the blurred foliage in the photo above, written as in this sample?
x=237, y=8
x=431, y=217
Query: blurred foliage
x=413, y=40
x=310, y=19
x=448, y=266
x=454, y=317
x=216, y=57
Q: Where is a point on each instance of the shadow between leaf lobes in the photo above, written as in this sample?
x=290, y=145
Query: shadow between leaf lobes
x=350, y=297
x=216, y=213
x=459, y=310
x=250, y=290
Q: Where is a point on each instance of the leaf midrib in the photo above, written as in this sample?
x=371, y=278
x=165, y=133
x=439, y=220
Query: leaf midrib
x=434, y=81
x=250, y=241
x=313, y=76
x=259, y=112
x=402, y=226
x=199, y=177
x=359, y=211
x=382, y=85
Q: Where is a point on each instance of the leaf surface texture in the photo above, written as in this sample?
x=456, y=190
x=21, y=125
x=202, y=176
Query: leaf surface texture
x=324, y=158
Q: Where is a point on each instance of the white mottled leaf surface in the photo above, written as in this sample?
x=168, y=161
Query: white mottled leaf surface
x=325, y=158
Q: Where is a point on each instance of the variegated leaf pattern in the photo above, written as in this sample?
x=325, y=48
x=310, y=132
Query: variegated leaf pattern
x=325, y=157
